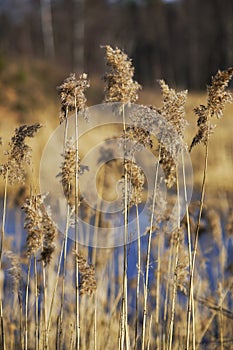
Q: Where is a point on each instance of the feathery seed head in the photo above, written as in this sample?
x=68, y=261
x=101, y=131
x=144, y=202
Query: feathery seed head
x=49, y=233
x=33, y=219
x=173, y=107
x=72, y=95
x=68, y=168
x=120, y=86
x=19, y=154
x=136, y=180
x=217, y=97
x=40, y=228
x=88, y=281
x=217, y=94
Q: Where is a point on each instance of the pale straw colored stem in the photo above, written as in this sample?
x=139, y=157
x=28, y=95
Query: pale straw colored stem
x=77, y=318
x=174, y=294
x=138, y=278
x=148, y=257
x=191, y=281
x=26, y=305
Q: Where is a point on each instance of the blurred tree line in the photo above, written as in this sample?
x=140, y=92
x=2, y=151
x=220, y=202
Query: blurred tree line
x=182, y=41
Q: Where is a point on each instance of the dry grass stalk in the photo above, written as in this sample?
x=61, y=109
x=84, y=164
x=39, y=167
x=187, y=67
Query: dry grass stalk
x=40, y=228
x=13, y=171
x=173, y=111
x=217, y=97
x=41, y=233
x=19, y=154
x=88, y=282
x=120, y=86
x=72, y=95
x=73, y=98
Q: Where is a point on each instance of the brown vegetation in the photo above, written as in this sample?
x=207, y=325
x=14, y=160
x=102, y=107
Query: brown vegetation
x=68, y=296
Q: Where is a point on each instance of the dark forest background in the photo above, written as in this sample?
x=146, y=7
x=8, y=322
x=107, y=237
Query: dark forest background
x=182, y=41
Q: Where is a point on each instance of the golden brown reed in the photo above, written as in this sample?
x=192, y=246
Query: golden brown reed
x=213, y=316
x=72, y=95
x=19, y=154
x=68, y=168
x=40, y=228
x=136, y=180
x=88, y=282
x=173, y=111
x=217, y=98
x=120, y=86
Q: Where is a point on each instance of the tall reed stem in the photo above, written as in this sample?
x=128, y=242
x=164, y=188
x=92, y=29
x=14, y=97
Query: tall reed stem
x=26, y=304
x=190, y=258
x=36, y=306
x=146, y=286
x=124, y=315
x=76, y=231
x=3, y=341
x=3, y=216
x=177, y=240
x=158, y=277
x=46, y=345
x=191, y=280
x=138, y=278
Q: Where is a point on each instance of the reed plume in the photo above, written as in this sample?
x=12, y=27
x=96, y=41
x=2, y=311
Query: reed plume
x=120, y=86
x=88, y=281
x=173, y=111
x=136, y=181
x=72, y=95
x=19, y=154
x=217, y=98
x=40, y=228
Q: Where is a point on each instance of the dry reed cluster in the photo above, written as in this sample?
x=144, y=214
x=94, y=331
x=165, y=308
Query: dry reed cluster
x=67, y=296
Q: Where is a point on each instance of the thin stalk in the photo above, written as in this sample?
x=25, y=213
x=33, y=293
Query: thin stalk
x=138, y=279
x=26, y=305
x=158, y=277
x=57, y=333
x=3, y=341
x=220, y=315
x=165, y=316
x=46, y=345
x=20, y=319
x=77, y=317
x=97, y=215
x=64, y=274
x=64, y=246
x=54, y=290
x=149, y=335
x=191, y=280
x=1, y=252
x=148, y=255
x=3, y=216
x=124, y=315
x=95, y=321
x=174, y=294
x=36, y=306
x=190, y=259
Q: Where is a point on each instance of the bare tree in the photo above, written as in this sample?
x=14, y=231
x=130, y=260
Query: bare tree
x=78, y=35
x=47, y=28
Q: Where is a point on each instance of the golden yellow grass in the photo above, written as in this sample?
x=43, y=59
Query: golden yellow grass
x=220, y=167
x=102, y=314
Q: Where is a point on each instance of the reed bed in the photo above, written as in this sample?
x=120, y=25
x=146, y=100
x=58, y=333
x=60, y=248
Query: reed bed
x=164, y=290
